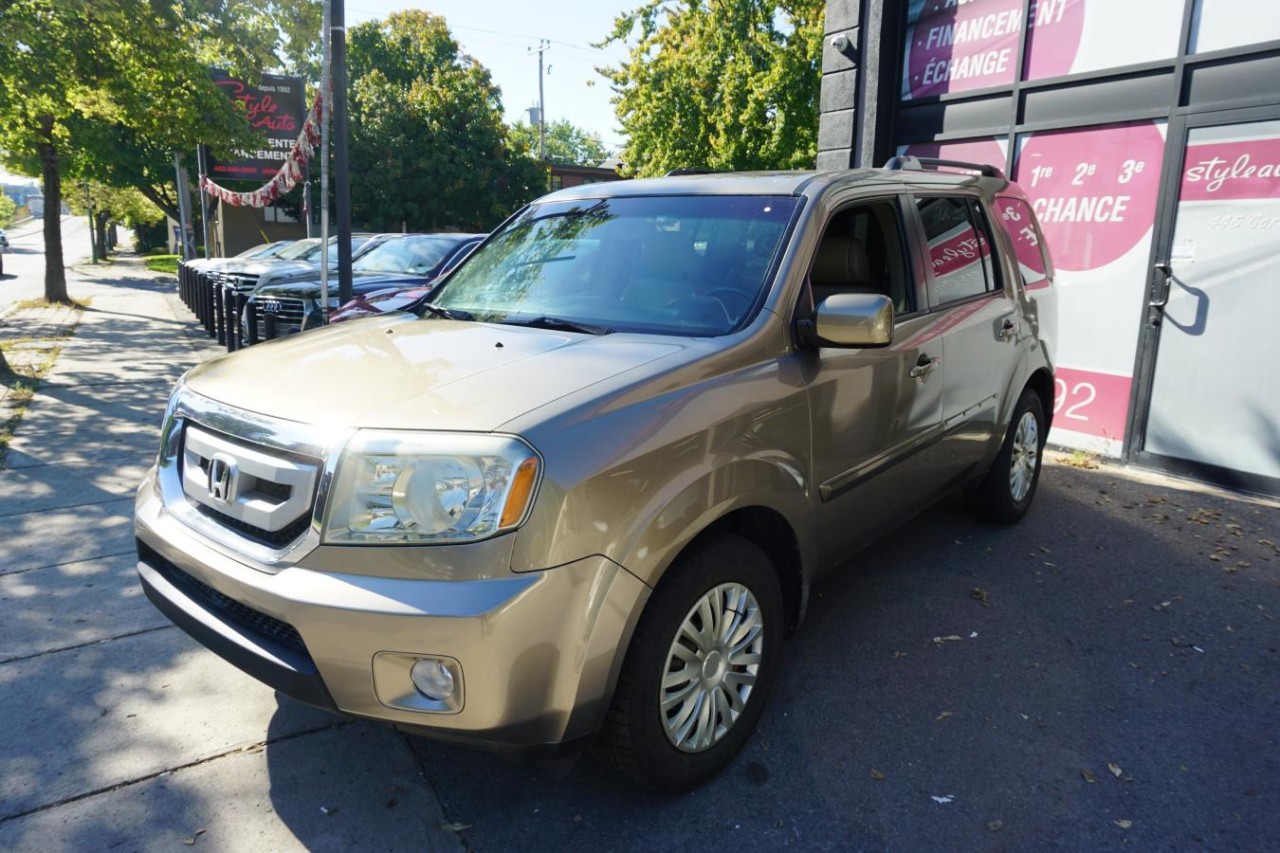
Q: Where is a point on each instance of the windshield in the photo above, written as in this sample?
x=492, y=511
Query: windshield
x=356, y=242
x=300, y=249
x=417, y=255
x=684, y=265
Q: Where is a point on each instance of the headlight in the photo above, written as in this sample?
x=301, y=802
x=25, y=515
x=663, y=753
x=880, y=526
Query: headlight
x=405, y=487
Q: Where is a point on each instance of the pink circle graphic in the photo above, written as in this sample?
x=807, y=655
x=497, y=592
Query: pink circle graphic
x=1053, y=39
x=957, y=47
x=1094, y=190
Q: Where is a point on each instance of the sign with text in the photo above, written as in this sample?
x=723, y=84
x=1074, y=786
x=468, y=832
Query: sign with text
x=276, y=108
x=1094, y=191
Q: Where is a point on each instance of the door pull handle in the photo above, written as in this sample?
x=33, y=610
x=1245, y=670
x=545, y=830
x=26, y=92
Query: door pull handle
x=924, y=367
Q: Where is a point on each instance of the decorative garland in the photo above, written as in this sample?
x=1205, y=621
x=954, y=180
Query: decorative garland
x=290, y=172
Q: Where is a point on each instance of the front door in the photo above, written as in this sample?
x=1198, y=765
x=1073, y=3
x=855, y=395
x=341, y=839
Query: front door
x=1210, y=406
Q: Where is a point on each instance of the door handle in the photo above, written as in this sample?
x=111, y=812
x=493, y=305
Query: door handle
x=924, y=366
x=1008, y=330
x=1160, y=290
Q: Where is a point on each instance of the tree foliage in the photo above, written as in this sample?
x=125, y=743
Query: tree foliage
x=427, y=138
x=719, y=84
x=109, y=90
x=7, y=209
x=566, y=143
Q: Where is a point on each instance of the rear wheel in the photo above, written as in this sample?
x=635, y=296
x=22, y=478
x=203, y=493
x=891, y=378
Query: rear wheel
x=1005, y=494
x=699, y=668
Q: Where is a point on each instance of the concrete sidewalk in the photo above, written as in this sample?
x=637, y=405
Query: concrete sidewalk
x=116, y=729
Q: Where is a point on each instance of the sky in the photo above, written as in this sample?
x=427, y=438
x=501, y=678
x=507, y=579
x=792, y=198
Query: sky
x=500, y=33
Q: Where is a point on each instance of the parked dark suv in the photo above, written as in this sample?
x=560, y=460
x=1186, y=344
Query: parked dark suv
x=582, y=498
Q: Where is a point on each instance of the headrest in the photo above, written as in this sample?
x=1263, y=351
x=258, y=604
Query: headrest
x=841, y=262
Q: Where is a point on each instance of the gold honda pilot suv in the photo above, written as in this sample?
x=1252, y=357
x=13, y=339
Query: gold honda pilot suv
x=579, y=498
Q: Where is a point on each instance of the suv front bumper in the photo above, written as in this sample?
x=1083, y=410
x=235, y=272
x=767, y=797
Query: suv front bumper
x=538, y=651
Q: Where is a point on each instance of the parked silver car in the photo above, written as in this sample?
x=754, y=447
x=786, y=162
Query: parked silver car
x=582, y=498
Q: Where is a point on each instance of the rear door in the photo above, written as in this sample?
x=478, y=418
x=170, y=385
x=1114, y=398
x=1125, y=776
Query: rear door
x=975, y=323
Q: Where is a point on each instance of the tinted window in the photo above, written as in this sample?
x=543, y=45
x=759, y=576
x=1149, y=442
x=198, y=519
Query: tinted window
x=691, y=265
x=959, y=249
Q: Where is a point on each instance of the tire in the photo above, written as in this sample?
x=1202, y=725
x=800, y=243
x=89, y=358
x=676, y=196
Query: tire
x=1005, y=494
x=643, y=742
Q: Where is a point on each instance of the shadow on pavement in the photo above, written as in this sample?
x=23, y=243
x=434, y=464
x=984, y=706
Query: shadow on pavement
x=1105, y=668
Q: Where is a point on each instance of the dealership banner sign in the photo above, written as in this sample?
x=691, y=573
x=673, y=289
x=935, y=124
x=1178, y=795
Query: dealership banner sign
x=276, y=108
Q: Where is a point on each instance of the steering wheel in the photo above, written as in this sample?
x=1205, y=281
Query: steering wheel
x=735, y=302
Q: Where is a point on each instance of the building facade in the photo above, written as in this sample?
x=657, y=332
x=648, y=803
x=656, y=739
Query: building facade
x=1147, y=133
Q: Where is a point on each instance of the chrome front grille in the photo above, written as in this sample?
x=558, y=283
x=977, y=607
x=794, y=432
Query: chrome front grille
x=288, y=314
x=263, y=492
x=252, y=486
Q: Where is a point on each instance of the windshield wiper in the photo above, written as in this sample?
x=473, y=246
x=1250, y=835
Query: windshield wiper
x=559, y=324
x=437, y=311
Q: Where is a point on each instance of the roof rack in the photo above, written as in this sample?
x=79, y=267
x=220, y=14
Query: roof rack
x=909, y=163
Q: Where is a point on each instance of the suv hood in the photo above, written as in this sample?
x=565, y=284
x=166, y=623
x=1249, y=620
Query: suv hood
x=309, y=288
x=399, y=372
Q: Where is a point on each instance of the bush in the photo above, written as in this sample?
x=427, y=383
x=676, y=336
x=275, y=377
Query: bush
x=163, y=263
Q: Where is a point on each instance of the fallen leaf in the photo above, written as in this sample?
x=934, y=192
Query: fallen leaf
x=1088, y=775
x=979, y=594
x=995, y=825
x=944, y=715
x=192, y=840
x=779, y=824
x=1115, y=770
x=1122, y=823
x=951, y=639
x=877, y=775
x=899, y=654
x=455, y=827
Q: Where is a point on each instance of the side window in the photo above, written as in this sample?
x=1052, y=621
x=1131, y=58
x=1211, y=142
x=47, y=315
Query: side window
x=1018, y=221
x=959, y=248
x=861, y=252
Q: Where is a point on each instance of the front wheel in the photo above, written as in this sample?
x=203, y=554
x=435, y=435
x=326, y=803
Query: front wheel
x=699, y=668
x=1005, y=494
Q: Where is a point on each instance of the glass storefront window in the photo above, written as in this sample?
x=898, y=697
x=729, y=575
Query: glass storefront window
x=1076, y=36
x=958, y=47
x=1220, y=24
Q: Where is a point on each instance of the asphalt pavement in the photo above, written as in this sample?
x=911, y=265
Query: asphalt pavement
x=23, y=277
x=1105, y=674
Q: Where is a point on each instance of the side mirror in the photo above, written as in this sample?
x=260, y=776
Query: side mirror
x=854, y=320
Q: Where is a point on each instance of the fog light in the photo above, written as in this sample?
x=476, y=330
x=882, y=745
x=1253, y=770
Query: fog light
x=433, y=679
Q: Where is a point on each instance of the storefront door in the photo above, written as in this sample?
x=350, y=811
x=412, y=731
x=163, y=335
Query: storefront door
x=1209, y=404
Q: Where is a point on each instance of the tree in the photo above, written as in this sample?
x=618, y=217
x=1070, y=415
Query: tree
x=110, y=89
x=118, y=205
x=719, y=84
x=427, y=137
x=7, y=209
x=566, y=143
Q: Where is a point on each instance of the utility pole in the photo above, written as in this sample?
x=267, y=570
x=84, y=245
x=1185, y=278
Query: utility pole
x=327, y=90
x=342, y=193
x=543, y=47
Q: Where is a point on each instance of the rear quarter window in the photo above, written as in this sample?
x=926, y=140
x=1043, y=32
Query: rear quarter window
x=1019, y=222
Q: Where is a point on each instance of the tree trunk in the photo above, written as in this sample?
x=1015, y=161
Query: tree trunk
x=5, y=370
x=100, y=228
x=55, y=276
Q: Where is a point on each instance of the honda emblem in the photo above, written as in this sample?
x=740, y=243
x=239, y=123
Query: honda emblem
x=222, y=478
